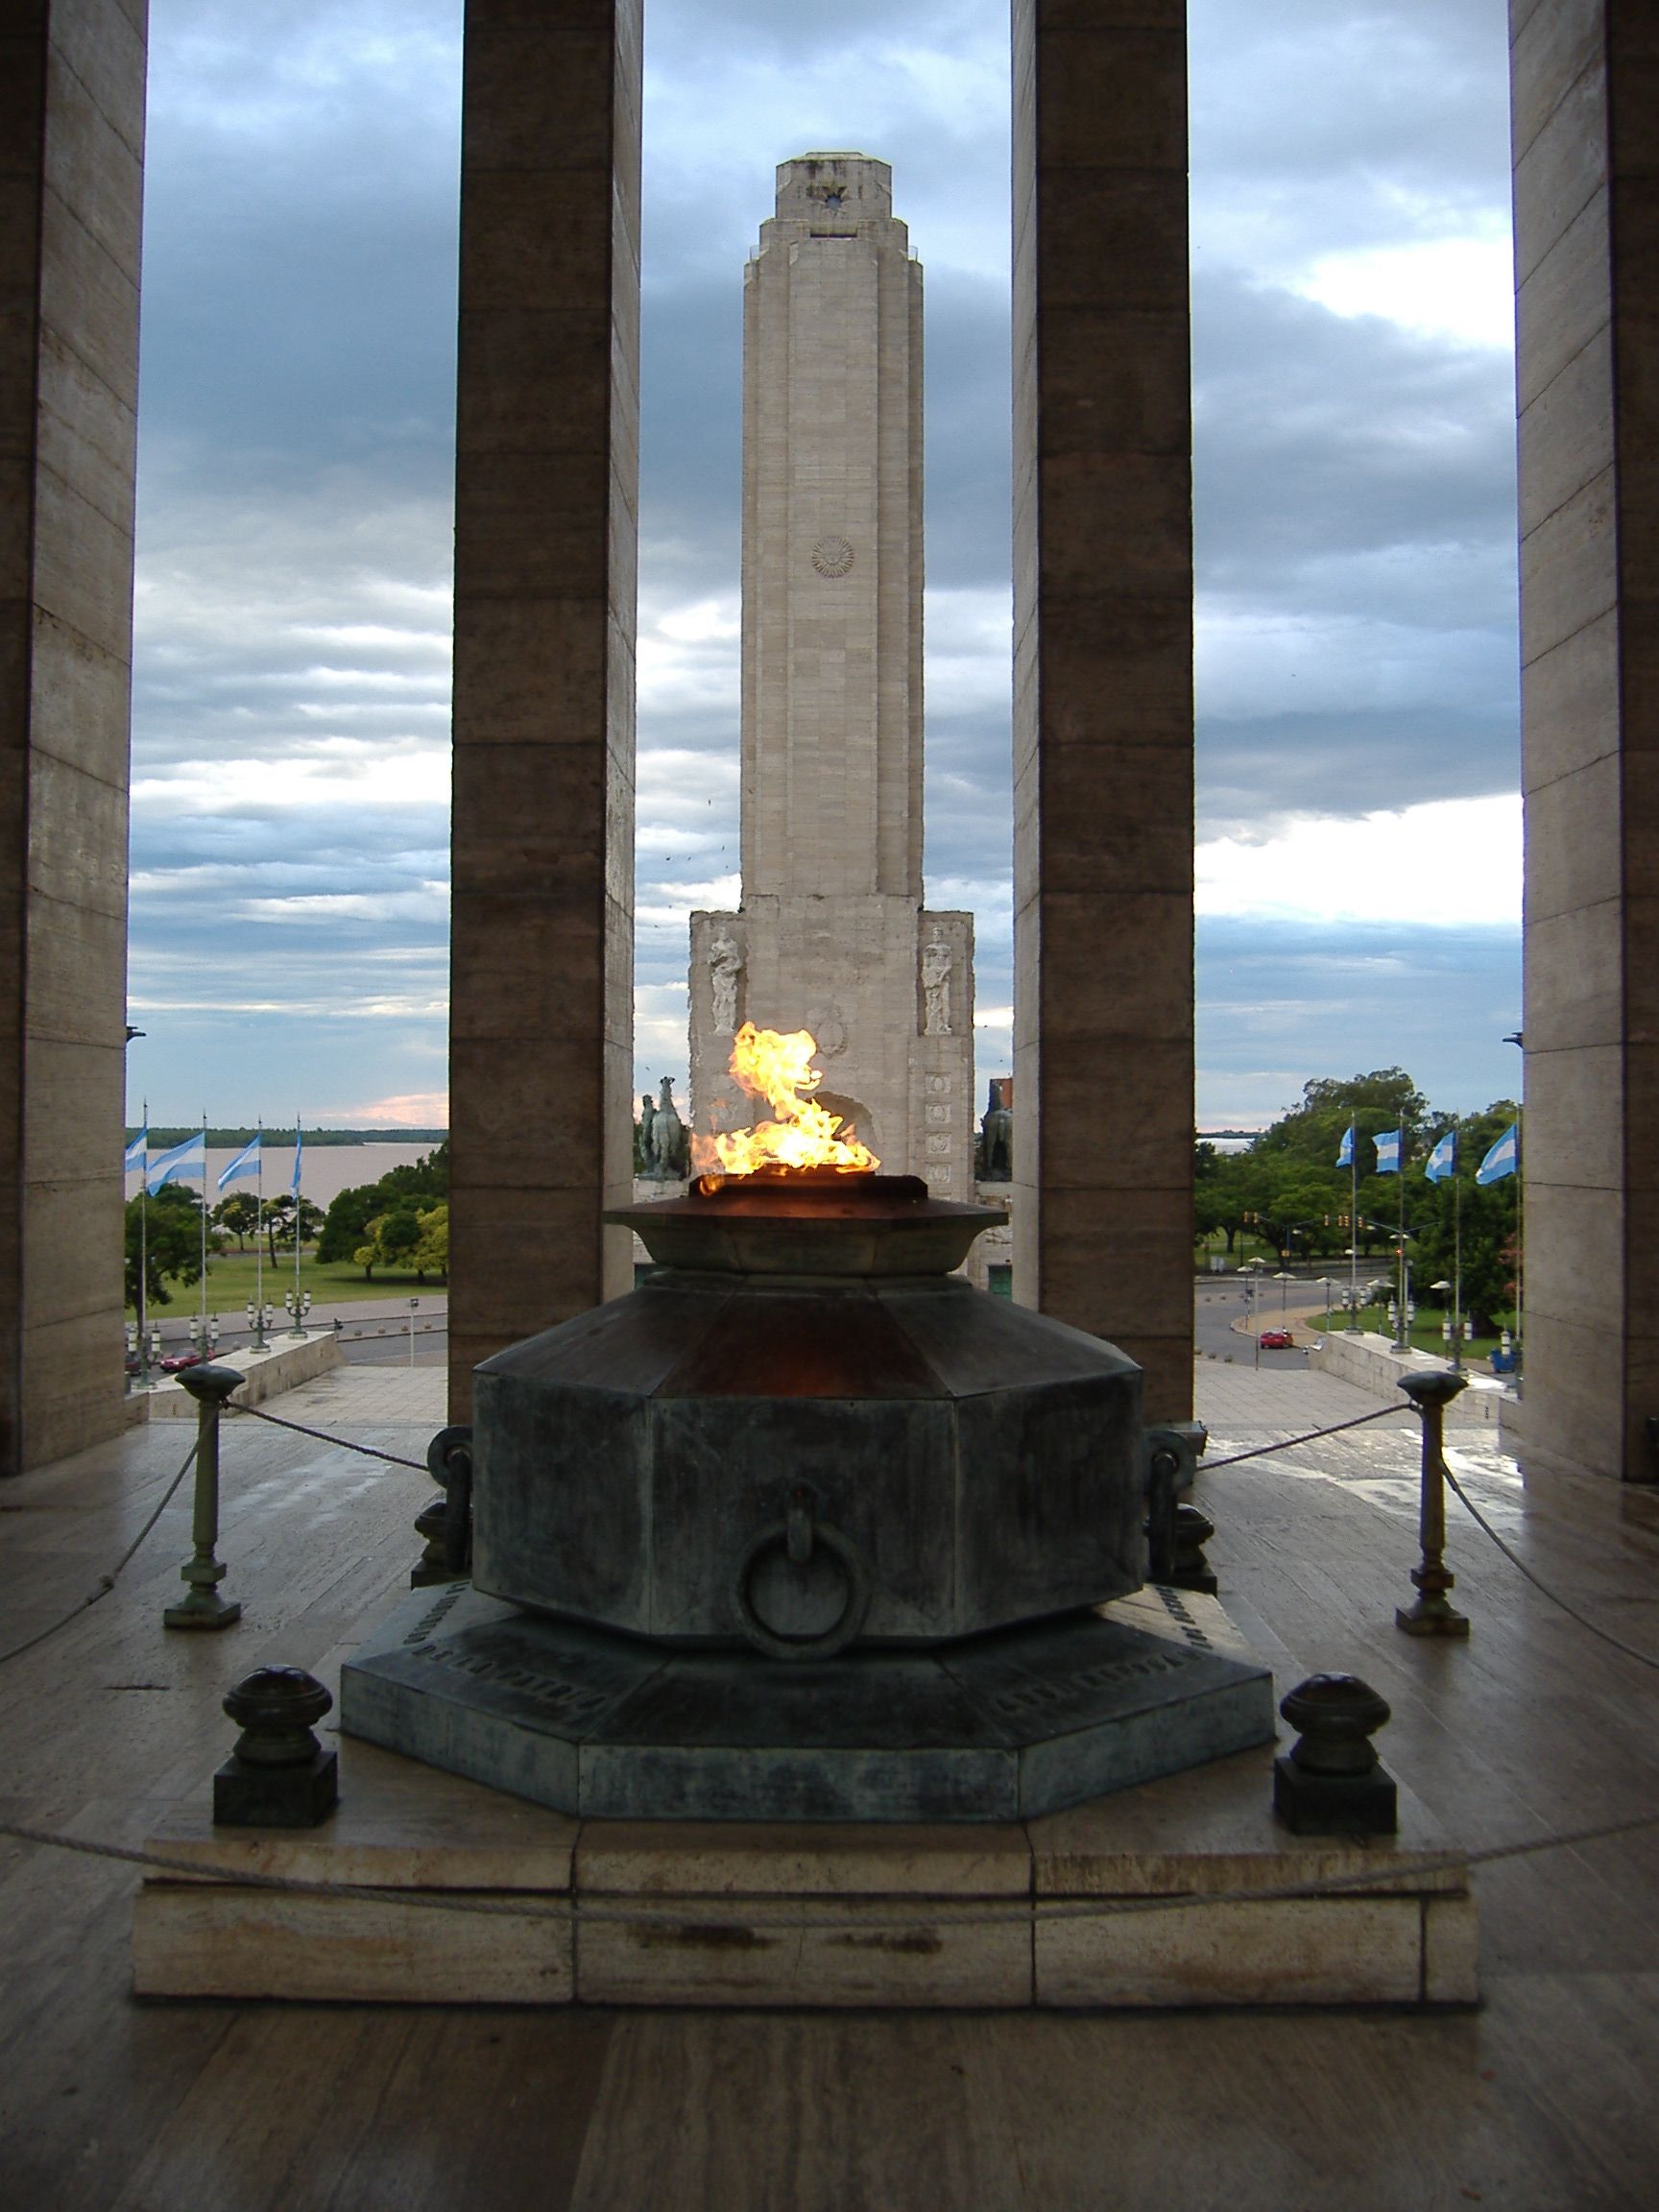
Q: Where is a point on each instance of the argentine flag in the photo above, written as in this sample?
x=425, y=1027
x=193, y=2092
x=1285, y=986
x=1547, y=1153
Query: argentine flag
x=293, y=1186
x=1387, y=1144
x=135, y=1152
x=1443, y=1160
x=187, y=1159
x=1504, y=1157
x=1345, y=1157
x=246, y=1162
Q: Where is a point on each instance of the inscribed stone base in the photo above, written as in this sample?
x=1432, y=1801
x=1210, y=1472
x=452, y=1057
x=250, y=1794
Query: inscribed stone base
x=1183, y=1891
x=993, y=1727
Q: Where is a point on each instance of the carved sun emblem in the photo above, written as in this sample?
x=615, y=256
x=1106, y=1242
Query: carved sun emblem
x=831, y=556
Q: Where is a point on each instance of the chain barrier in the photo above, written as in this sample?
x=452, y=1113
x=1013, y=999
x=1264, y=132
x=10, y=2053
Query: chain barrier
x=1289, y=1443
x=106, y=1582
x=1644, y=1658
x=1382, y=1877
x=299, y=1428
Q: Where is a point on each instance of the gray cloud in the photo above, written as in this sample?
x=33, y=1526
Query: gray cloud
x=1354, y=493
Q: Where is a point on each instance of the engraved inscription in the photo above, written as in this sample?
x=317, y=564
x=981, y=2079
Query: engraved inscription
x=574, y=1698
x=434, y=1614
x=1105, y=1676
x=1183, y=1619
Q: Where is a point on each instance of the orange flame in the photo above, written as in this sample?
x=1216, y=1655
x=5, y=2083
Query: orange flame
x=778, y=1067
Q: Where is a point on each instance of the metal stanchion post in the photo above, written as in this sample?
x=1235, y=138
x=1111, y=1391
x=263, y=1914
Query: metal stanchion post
x=203, y=1607
x=1432, y=1615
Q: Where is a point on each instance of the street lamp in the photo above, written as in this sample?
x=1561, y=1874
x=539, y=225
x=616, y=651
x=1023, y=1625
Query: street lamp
x=298, y=1309
x=413, y=1303
x=1252, y=1274
x=259, y=1319
x=1450, y=1324
x=1284, y=1279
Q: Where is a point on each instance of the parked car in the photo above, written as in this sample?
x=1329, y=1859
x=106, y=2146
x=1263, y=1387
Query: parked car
x=175, y=1360
x=1276, y=1340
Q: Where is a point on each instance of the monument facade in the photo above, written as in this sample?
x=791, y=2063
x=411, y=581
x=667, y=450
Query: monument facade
x=832, y=935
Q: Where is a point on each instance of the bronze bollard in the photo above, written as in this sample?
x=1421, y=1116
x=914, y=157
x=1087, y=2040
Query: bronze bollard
x=1432, y=1615
x=202, y=1606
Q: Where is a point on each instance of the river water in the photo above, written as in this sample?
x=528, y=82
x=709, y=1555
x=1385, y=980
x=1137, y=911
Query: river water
x=324, y=1169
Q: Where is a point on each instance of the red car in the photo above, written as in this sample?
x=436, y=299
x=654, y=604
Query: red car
x=1277, y=1340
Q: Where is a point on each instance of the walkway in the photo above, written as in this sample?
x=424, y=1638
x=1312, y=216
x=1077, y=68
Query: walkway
x=1542, y=2099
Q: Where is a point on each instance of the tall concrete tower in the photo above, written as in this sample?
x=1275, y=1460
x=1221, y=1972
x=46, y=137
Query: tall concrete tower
x=832, y=935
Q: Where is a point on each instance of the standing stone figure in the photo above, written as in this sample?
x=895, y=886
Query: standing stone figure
x=662, y=1139
x=997, y=1152
x=725, y=967
x=936, y=967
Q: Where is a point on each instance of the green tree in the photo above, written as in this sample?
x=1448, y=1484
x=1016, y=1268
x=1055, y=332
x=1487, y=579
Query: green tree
x=279, y=1223
x=167, y=1229
x=392, y=1242
x=1386, y=1098
x=431, y=1256
x=1488, y=1221
x=346, y=1225
x=239, y=1215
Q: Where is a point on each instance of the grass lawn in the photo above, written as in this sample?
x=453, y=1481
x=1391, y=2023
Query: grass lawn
x=1425, y=1332
x=339, y=1282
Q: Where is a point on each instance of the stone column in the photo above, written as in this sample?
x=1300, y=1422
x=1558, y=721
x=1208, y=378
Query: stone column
x=71, y=179
x=546, y=556
x=1103, y=683
x=1585, y=78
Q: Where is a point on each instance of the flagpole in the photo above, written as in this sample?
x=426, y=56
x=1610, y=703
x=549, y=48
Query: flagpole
x=259, y=1239
x=205, y=1345
x=298, y=1317
x=1457, y=1272
x=1353, y=1227
x=1404, y=1340
x=144, y=1256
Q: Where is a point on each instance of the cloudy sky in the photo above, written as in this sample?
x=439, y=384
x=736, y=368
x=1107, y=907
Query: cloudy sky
x=1358, y=861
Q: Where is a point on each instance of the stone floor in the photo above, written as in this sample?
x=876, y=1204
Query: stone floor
x=1532, y=1730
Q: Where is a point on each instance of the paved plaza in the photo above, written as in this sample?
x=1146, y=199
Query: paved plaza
x=1540, y=2099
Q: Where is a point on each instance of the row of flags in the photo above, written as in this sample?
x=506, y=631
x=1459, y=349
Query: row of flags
x=1504, y=1157
x=190, y=1157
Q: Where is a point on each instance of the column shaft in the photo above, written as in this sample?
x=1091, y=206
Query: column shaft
x=71, y=190
x=1103, y=685
x=545, y=563
x=1585, y=80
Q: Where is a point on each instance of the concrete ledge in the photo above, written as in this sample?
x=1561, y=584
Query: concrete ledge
x=1179, y=1893
x=284, y=1366
x=1370, y=1362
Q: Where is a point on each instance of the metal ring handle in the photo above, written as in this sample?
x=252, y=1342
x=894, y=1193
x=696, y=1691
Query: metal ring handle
x=841, y=1632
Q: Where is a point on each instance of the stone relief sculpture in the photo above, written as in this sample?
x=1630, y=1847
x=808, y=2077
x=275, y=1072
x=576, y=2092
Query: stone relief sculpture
x=936, y=966
x=664, y=1149
x=725, y=967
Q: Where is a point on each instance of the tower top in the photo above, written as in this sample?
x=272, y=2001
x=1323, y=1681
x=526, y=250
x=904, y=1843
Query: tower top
x=851, y=187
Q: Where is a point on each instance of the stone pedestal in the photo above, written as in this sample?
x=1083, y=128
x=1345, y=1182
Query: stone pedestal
x=850, y=970
x=1182, y=1892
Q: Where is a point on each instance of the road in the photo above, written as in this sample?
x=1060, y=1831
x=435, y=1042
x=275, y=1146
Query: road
x=1220, y=1302
x=374, y=1332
